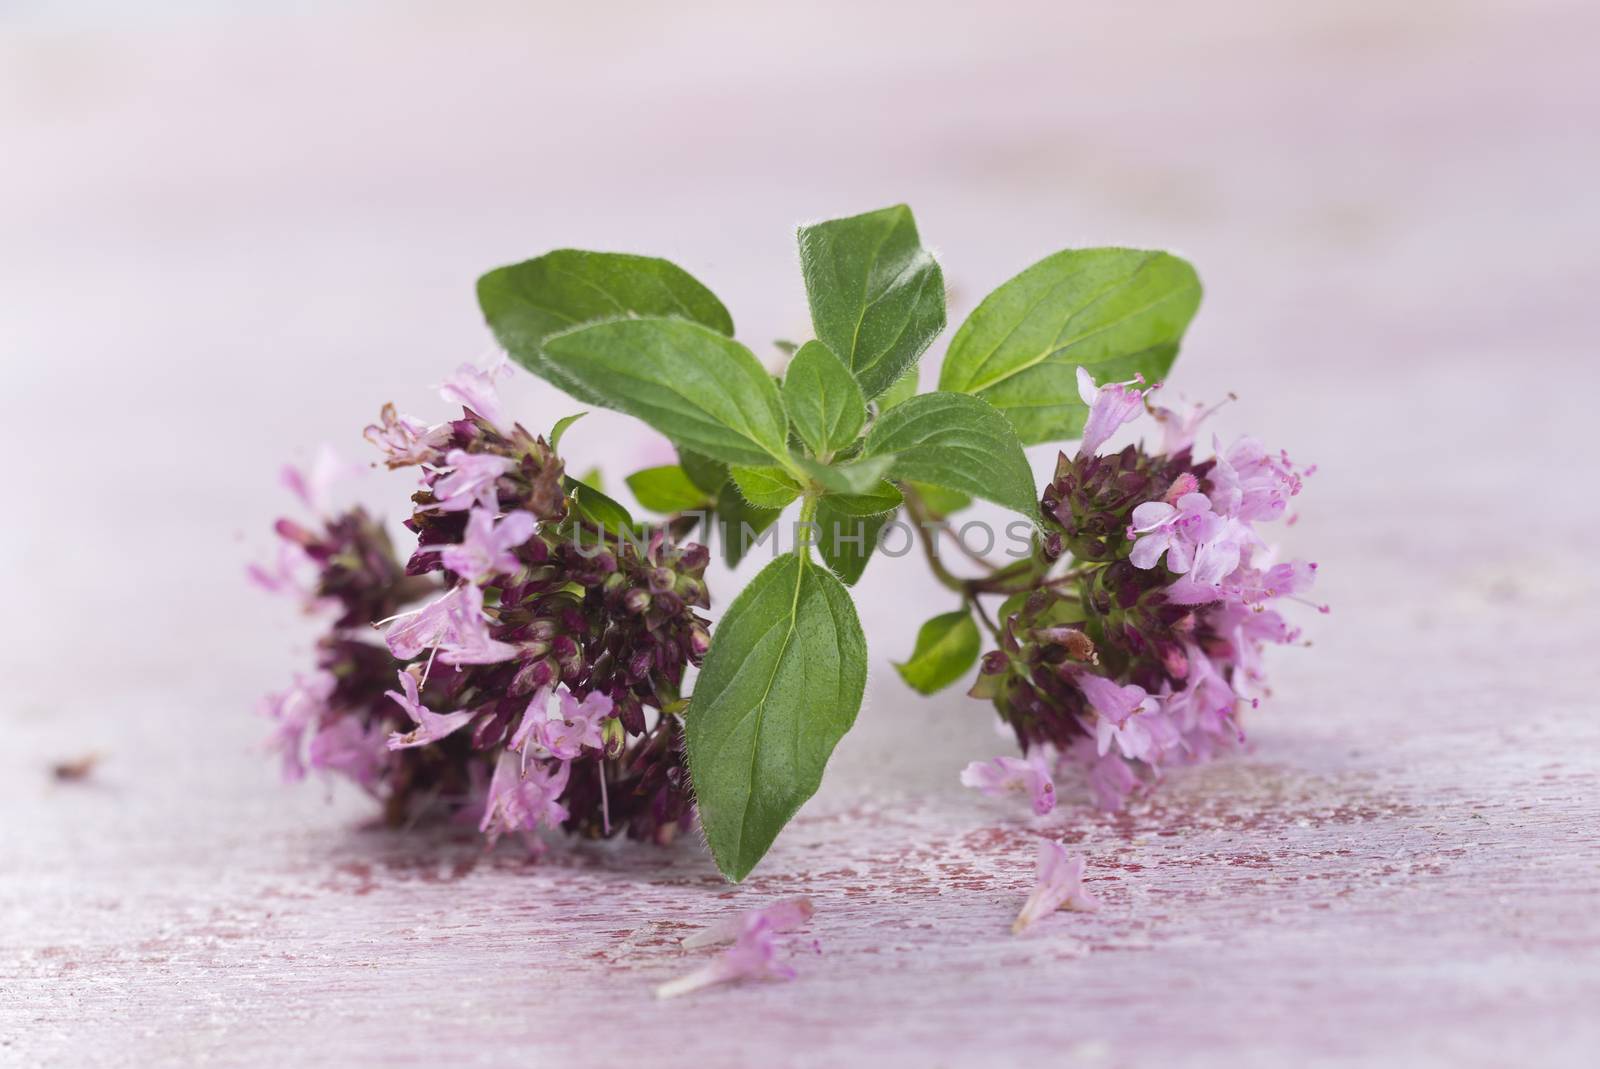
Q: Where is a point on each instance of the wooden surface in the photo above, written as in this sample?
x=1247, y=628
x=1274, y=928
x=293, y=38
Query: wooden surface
x=224, y=240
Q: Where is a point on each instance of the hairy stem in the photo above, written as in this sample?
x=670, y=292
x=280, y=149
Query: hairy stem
x=803, y=528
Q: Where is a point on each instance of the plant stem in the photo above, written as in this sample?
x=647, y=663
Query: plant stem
x=979, y=560
x=983, y=616
x=803, y=531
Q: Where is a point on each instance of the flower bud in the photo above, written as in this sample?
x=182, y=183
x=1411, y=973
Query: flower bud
x=699, y=641
x=613, y=734
x=568, y=656
x=535, y=675
x=489, y=730
x=629, y=713
x=639, y=665
x=1078, y=646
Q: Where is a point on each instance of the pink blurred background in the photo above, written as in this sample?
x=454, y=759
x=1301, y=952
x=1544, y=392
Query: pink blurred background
x=228, y=233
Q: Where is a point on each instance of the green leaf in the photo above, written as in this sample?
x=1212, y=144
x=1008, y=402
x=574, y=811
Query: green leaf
x=667, y=490
x=882, y=498
x=957, y=442
x=877, y=296
x=856, y=477
x=1116, y=312
x=767, y=488
x=740, y=524
x=528, y=302
x=709, y=475
x=733, y=523
x=560, y=429
x=904, y=387
x=779, y=688
x=947, y=648
x=846, y=539
x=939, y=501
x=597, y=508
x=824, y=402
x=706, y=392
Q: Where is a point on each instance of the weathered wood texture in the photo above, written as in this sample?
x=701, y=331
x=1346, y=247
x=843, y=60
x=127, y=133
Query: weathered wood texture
x=222, y=241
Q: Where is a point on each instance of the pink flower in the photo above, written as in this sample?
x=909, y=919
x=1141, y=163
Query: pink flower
x=1110, y=406
x=753, y=956
x=1251, y=484
x=579, y=724
x=1173, y=529
x=349, y=747
x=431, y=726
x=1206, y=704
x=296, y=709
x=1249, y=585
x=1246, y=629
x=522, y=800
x=455, y=625
x=1002, y=775
x=575, y=724
x=404, y=440
x=423, y=629
x=1285, y=580
x=486, y=548
x=531, y=727
x=472, y=480
x=1058, y=885
x=1111, y=779
x=292, y=573
x=1178, y=429
x=473, y=389
x=1198, y=543
x=1128, y=716
x=781, y=916
x=313, y=487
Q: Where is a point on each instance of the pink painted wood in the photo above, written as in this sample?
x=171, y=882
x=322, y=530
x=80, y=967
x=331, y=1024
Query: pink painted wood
x=225, y=240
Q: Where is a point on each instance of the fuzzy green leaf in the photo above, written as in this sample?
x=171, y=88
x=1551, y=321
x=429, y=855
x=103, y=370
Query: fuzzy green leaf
x=767, y=488
x=958, y=442
x=741, y=526
x=709, y=475
x=779, y=688
x=904, y=387
x=597, y=508
x=877, y=296
x=824, y=402
x=846, y=539
x=1116, y=312
x=857, y=477
x=939, y=501
x=947, y=648
x=706, y=392
x=667, y=489
x=526, y=303
x=559, y=431
x=875, y=501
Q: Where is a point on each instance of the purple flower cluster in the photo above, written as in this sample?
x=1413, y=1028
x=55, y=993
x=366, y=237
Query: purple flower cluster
x=530, y=664
x=1146, y=650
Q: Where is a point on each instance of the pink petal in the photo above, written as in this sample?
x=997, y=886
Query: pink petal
x=782, y=916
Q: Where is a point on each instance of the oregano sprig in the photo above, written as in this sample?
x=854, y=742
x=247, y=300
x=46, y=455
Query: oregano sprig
x=844, y=434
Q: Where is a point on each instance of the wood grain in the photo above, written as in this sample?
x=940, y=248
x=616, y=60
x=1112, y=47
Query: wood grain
x=1393, y=212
